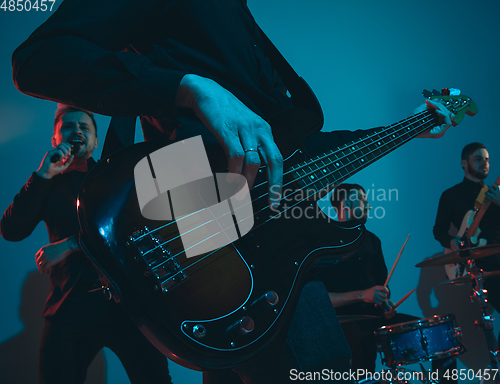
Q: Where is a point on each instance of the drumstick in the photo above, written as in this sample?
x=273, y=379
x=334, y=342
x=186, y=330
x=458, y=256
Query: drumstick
x=403, y=299
x=396, y=262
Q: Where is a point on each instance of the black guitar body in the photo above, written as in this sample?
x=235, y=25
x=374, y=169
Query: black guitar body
x=217, y=309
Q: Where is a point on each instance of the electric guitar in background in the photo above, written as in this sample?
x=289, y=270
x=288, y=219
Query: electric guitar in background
x=469, y=231
x=219, y=309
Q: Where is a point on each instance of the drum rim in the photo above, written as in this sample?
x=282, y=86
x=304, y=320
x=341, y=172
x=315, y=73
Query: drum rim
x=455, y=351
x=417, y=324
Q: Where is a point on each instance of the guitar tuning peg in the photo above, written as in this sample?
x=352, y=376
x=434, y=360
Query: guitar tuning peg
x=445, y=92
x=426, y=93
x=455, y=92
x=436, y=92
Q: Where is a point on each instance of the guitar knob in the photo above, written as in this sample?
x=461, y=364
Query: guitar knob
x=268, y=299
x=243, y=326
x=199, y=331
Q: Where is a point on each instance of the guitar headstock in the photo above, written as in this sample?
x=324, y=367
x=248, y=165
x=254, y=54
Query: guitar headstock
x=454, y=102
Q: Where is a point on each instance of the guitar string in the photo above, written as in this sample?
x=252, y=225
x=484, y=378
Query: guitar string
x=321, y=157
x=414, y=128
x=326, y=155
x=204, y=257
x=344, y=166
x=338, y=159
x=349, y=174
x=331, y=152
x=346, y=176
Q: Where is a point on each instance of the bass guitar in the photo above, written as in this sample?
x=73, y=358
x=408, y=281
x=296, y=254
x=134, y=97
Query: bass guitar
x=219, y=309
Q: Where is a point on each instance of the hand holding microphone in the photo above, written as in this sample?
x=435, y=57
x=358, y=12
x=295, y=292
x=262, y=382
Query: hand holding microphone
x=74, y=150
x=52, y=165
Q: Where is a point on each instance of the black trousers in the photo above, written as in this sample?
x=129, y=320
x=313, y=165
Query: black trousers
x=87, y=323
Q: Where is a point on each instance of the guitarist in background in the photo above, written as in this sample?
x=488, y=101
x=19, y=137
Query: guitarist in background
x=459, y=199
x=189, y=68
x=79, y=320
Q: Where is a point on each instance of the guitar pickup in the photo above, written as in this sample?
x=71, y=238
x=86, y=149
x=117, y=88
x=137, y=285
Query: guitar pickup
x=152, y=249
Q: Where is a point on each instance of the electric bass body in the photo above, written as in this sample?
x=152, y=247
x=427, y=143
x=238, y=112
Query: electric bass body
x=221, y=308
x=216, y=309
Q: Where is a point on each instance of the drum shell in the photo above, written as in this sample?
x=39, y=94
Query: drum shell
x=420, y=340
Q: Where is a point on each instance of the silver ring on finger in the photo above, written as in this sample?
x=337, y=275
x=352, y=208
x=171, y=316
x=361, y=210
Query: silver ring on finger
x=251, y=150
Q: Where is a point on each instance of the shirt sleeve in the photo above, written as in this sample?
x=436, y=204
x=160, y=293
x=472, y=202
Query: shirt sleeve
x=26, y=211
x=443, y=220
x=77, y=57
x=380, y=272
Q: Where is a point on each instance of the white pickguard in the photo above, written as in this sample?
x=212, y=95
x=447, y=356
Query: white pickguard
x=453, y=270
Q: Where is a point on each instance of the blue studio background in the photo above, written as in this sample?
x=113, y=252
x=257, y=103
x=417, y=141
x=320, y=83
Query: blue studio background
x=368, y=63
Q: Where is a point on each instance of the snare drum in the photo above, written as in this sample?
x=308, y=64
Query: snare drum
x=421, y=340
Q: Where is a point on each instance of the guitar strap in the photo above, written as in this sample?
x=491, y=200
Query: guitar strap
x=121, y=131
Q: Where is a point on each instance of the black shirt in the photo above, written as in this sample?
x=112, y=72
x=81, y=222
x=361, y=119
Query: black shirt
x=363, y=270
x=54, y=202
x=77, y=56
x=454, y=204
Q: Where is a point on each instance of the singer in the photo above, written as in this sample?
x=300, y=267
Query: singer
x=70, y=141
x=79, y=321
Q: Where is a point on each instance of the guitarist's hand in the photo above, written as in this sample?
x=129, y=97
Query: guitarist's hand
x=54, y=253
x=244, y=136
x=494, y=194
x=455, y=243
x=445, y=118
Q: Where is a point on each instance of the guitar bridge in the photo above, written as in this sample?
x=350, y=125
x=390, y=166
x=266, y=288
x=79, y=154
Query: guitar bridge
x=160, y=263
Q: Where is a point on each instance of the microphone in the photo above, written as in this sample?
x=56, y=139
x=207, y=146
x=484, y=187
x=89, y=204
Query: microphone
x=74, y=149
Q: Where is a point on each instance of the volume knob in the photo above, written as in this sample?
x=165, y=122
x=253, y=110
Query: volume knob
x=271, y=298
x=267, y=300
x=243, y=326
x=199, y=331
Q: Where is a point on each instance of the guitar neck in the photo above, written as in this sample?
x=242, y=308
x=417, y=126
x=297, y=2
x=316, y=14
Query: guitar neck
x=324, y=172
x=477, y=219
x=471, y=231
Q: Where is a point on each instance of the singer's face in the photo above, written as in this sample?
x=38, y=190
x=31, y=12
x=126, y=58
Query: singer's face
x=77, y=126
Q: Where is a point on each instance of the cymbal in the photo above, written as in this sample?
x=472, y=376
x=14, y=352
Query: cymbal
x=460, y=256
x=469, y=278
x=351, y=318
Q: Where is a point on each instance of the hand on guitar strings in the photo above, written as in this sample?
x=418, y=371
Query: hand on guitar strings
x=245, y=137
x=455, y=243
x=444, y=116
x=493, y=194
x=54, y=253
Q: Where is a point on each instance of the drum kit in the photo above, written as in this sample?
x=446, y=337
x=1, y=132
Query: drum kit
x=438, y=337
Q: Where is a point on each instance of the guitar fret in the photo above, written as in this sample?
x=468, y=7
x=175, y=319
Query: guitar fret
x=337, y=165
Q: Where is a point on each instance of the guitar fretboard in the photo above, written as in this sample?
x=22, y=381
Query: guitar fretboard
x=330, y=169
